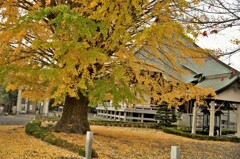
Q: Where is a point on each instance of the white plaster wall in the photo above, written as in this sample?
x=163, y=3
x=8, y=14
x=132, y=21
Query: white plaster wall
x=230, y=94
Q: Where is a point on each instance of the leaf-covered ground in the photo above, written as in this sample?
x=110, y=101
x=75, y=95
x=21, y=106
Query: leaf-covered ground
x=15, y=144
x=115, y=143
x=136, y=143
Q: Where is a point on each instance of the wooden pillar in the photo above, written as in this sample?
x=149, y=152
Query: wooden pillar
x=194, y=118
x=119, y=115
x=228, y=114
x=190, y=108
x=212, y=114
x=107, y=114
x=103, y=114
x=19, y=101
x=142, y=116
x=45, y=107
x=220, y=125
x=115, y=114
x=238, y=120
x=125, y=116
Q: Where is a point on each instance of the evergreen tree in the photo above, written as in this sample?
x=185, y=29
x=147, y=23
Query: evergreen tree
x=8, y=98
x=165, y=115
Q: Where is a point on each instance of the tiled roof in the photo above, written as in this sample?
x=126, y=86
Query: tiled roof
x=216, y=74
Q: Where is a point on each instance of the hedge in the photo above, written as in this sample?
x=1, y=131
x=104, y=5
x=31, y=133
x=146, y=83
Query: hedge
x=44, y=134
x=226, y=131
x=124, y=124
x=112, y=123
x=199, y=137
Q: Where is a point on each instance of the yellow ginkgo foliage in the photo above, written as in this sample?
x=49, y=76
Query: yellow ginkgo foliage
x=87, y=51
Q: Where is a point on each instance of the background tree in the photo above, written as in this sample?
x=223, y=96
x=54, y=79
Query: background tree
x=9, y=99
x=212, y=17
x=165, y=115
x=80, y=51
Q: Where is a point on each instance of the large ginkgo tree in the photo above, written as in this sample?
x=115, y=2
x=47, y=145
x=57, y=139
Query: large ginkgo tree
x=82, y=52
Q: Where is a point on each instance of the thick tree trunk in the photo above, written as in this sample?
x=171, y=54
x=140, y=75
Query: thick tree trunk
x=75, y=115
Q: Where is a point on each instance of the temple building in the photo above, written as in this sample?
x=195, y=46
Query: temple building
x=211, y=73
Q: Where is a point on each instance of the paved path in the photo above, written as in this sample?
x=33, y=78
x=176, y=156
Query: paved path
x=20, y=119
x=23, y=119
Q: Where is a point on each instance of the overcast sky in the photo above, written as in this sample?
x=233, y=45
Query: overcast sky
x=221, y=41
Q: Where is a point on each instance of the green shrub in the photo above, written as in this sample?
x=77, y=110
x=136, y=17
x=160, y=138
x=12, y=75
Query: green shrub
x=44, y=134
x=35, y=130
x=125, y=124
x=226, y=131
x=197, y=136
x=197, y=132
